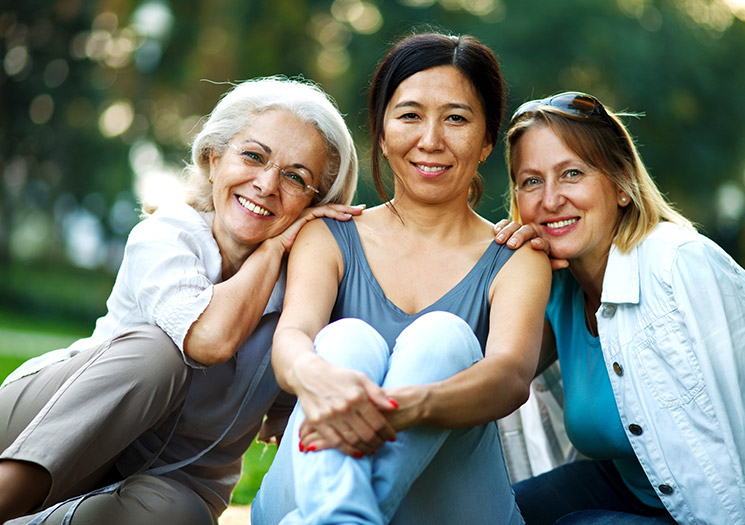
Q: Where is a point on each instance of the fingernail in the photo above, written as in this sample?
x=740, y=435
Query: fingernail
x=311, y=448
x=373, y=452
x=392, y=439
x=360, y=205
x=358, y=455
x=512, y=242
x=393, y=402
x=301, y=447
x=500, y=237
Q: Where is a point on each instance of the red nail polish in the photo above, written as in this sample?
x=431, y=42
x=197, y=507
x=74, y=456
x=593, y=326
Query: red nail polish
x=311, y=448
x=373, y=452
x=300, y=446
x=392, y=440
x=358, y=455
x=393, y=403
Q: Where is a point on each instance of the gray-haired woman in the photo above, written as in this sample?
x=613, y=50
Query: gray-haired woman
x=146, y=421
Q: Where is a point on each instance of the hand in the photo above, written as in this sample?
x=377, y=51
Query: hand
x=339, y=212
x=411, y=400
x=515, y=235
x=343, y=410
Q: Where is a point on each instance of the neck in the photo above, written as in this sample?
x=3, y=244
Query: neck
x=590, y=277
x=426, y=220
x=233, y=255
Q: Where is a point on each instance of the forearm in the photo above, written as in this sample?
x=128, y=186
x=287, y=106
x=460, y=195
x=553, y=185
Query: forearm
x=486, y=391
x=236, y=307
x=293, y=353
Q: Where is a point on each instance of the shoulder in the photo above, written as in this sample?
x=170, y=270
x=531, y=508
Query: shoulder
x=526, y=268
x=527, y=259
x=672, y=248
x=174, y=220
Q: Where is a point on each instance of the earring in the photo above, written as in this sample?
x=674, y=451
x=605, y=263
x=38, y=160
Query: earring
x=624, y=199
x=481, y=161
x=211, y=179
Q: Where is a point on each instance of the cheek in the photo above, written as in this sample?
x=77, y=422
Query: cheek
x=525, y=209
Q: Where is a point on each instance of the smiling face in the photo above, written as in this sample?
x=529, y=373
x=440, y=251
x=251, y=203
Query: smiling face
x=250, y=206
x=434, y=134
x=572, y=205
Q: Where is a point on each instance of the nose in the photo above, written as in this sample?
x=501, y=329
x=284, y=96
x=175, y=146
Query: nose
x=431, y=138
x=266, y=180
x=553, y=196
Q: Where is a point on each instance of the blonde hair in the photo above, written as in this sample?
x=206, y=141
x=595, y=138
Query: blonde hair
x=236, y=109
x=610, y=151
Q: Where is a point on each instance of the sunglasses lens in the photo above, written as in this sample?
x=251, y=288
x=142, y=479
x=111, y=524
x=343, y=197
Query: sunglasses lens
x=576, y=103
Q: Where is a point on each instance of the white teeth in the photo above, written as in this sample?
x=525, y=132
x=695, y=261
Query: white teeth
x=561, y=224
x=253, y=207
x=430, y=169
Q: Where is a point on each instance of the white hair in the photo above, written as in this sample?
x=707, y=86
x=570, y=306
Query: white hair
x=304, y=99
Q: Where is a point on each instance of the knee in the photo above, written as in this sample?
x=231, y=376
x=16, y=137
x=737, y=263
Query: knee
x=437, y=339
x=441, y=336
x=152, y=358
x=352, y=343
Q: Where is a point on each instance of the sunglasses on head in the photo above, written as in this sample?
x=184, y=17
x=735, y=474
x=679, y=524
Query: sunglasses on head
x=570, y=102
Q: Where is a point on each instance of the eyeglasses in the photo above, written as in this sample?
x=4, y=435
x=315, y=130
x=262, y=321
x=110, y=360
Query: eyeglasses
x=293, y=181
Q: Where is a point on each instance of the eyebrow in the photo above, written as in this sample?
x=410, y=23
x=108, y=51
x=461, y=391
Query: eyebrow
x=268, y=151
x=451, y=105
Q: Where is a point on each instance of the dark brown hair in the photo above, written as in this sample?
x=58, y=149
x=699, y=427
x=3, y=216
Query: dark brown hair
x=424, y=51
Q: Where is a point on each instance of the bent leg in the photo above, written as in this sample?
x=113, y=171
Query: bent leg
x=75, y=417
x=328, y=486
x=140, y=500
x=580, y=486
x=417, y=468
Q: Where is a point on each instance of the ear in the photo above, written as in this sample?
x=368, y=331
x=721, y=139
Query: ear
x=214, y=159
x=486, y=149
x=383, y=146
x=622, y=198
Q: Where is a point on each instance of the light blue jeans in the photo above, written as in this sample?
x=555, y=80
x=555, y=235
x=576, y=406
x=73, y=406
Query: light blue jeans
x=428, y=475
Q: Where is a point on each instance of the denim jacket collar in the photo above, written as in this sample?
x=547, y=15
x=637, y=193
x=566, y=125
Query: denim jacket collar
x=621, y=280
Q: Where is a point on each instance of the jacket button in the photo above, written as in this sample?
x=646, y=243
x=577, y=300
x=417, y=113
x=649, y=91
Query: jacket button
x=618, y=369
x=665, y=489
x=635, y=429
x=608, y=310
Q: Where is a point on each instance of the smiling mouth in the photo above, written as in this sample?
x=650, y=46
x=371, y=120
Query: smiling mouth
x=430, y=169
x=255, y=208
x=561, y=224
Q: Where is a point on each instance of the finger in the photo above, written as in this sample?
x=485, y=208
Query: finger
x=558, y=264
x=336, y=211
x=501, y=224
x=507, y=232
x=540, y=244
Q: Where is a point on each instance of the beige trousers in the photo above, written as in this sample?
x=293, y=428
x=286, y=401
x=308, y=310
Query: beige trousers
x=75, y=418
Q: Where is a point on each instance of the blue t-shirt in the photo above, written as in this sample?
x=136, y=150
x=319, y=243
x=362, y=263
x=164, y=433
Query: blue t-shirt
x=360, y=295
x=590, y=412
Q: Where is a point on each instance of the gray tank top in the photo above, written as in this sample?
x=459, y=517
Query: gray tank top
x=360, y=296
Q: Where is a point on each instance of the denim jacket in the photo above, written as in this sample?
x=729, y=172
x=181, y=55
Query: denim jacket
x=672, y=331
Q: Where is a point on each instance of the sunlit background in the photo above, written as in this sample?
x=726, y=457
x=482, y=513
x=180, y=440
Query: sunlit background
x=100, y=99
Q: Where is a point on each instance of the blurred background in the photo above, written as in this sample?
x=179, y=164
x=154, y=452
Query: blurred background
x=99, y=100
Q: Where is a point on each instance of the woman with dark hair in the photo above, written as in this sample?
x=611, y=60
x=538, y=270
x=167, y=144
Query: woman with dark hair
x=434, y=330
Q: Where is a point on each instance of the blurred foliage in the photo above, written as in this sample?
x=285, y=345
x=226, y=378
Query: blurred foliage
x=99, y=98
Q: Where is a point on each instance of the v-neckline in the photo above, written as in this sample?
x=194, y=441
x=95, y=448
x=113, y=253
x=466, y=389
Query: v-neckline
x=379, y=289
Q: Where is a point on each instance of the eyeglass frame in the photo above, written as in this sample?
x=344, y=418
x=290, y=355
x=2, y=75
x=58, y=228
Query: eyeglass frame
x=269, y=164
